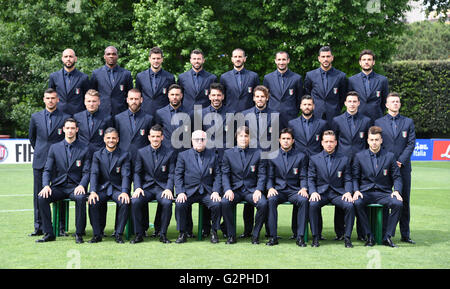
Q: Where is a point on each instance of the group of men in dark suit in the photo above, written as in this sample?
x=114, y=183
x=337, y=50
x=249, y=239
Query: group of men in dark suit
x=156, y=125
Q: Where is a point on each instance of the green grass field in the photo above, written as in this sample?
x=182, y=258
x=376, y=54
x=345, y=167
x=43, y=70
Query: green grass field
x=430, y=228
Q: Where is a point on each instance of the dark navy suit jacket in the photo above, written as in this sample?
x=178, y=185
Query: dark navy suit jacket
x=190, y=95
x=339, y=179
x=189, y=176
x=402, y=144
x=327, y=104
x=349, y=144
x=372, y=104
x=154, y=100
x=163, y=117
x=239, y=98
x=40, y=139
x=59, y=169
x=113, y=96
x=71, y=99
x=313, y=145
x=94, y=137
x=284, y=100
x=258, y=129
x=158, y=176
x=111, y=177
x=382, y=179
x=246, y=176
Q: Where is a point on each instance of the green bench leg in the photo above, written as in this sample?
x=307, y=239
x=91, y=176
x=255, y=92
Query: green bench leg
x=200, y=222
x=376, y=222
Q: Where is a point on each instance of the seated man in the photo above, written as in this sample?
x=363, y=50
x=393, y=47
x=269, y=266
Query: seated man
x=330, y=181
x=243, y=178
x=110, y=180
x=375, y=172
x=197, y=179
x=153, y=180
x=287, y=181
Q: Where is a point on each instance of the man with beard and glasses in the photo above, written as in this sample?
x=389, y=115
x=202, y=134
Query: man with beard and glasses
x=195, y=82
x=372, y=87
x=154, y=83
x=70, y=84
x=239, y=83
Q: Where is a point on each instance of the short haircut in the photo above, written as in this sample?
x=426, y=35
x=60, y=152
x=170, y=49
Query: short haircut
x=239, y=49
x=197, y=51
x=352, y=93
x=156, y=50
x=156, y=127
x=175, y=86
x=70, y=119
x=242, y=129
x=329, y=132
x=117, y=52
x=368, y=52
x=111, y=130
x=307, y=97
x=218, y=86
x=134, y=90
x=50, y=90
x=325, y=49
x=92, y=92
x=282, y=52
x=375, y=130
x=262, y=88
x=393, y=94
x=287, y=130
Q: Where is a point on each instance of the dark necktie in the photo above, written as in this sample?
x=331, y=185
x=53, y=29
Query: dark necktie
x=154, y=83
x=374, y=162
x=133, y=123
x=111, y=76
x=90, y=123
x=307, y=129
x=239, y=80
x=328, y=161
x=155, y=157
x=351, y=123
x=110, y=154
x=394, y=126
x=49, y=123
x=196, y=82
x=325, y=80
x=69, y=152
x=242, y=152
x=68, y=80
x=199, y=160
x=366, y=84
x=285, y=160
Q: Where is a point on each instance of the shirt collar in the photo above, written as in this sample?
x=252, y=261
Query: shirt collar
x=370, y=75
x=325, y=154
x=112, y=69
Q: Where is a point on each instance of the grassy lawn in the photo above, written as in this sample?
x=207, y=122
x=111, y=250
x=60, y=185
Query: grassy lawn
x=430, y=228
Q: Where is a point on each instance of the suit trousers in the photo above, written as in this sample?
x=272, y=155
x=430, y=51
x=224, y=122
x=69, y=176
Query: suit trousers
x=60, y=193
x=405, y=171
x=228, y=216
x=335, y=199
x=96, y=213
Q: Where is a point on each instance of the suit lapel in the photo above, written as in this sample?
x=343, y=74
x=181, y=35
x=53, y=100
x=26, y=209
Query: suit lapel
x=332, y=77
x=374, y=84
x=358, y=122
x=335, y=165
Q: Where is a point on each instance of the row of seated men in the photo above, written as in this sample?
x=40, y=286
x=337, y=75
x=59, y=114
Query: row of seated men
x=130, y=143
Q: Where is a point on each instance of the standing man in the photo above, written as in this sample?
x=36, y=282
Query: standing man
x=109, y=180
x=153, y=180
x=239, y=83
x=70, y=84
x=45, y=129
x=195, y=82
x=330, y=181
x=243, y=178
x=286, y=89
x=399, y=137
x=287, y=181
x=154, y=83
x=327, y=85
x=375, y=175
x=198, y=179
x=66, y=175
x=372, y=87
x=113, y=83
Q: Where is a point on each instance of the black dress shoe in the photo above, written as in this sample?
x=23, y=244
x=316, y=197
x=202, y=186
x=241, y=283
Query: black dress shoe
x=137, y=239
x=79, y=239
x=163, y=239
x=293, y=237
x=36, y=233
x=95, y=239
x=231, y=240
x=301, y=242
x=63, y=233
x=46, y=238
x=370, y=241
x=118, y=239
x=214, y=237
x=272, y=241
x=190, y=235
x=407, y=240
x=388, y=242
x=255, y=240
x=315, y=242
x=348, y=242
x=245, y=235
x=182, y=238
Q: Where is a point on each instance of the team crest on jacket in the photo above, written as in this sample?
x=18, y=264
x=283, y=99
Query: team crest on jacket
x=295, y=171
x=163, y=169
x=378, y=93
x=253, y=169
x=78, y=163
x=317, y=137
x=59, y=131
x=121, y=87
x=291, y=91
x=404, y=133
x=77, y=90
x=361, y=134
x=339, y=174
x=118, y=170
x=250, y=89
x=164, y=90
x=206, y=92
x=210, y=171
x=385, y=172
x=100, y=132
x=335, y=90
x=142, y=132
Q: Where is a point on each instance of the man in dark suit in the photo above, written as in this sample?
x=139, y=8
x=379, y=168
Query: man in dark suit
x=372, y=87
x=45, y=129
x=197, y=179
x=92, y=122
x=109, y=180
x=66, y=175
x=243, y=178
x=154, y=83
x=153, y=180
x=286, y=89
x=113, y=83
x=330, y=181
x=287, y=181
x=399, y=137
x=327, y=85
x=196, y=82
x=375, y=174
x=351, y=130
x=239, y=83
x=70, y=84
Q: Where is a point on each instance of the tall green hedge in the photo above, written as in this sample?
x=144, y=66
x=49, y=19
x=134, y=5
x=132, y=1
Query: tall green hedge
x=424, y=87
